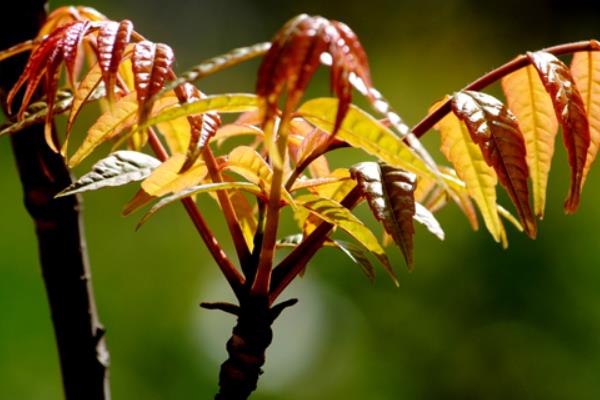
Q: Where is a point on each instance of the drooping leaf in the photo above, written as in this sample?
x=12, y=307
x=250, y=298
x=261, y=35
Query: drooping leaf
x=105, y=127
x=295, y=55
x=493, y=127
x=205, y=188
x=113, y=38
x=119, y=168
x=334, y=213
x=390, y=195
x=151, y=64
x=585, y=68
x=479, y=178
x=527, y=99
x=570, y=112
x=245, y=216
x=362, y=131
x=167, y=178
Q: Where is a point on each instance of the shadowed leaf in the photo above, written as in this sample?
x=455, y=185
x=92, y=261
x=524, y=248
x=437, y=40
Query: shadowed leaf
x=585, y=68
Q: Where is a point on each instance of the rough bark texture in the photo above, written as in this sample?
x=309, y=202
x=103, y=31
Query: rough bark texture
x=79, y=335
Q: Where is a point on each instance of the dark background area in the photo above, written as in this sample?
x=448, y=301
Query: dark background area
x=471, y=322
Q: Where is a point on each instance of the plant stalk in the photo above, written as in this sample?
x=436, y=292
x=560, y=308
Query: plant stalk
x=64, y=263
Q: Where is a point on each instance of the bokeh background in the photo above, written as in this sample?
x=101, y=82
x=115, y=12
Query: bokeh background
x=471, y=322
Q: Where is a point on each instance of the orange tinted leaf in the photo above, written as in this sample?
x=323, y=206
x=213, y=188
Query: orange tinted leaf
x=527, y=99
x=585, y=68
x=113, y=38
x=166, y=178
x=493, y=127
x=570, y=112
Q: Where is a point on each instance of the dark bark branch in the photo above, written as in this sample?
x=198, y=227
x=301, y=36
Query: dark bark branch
x=79, y=335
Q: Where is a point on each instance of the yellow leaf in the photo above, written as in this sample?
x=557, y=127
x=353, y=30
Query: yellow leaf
x=176, y=133
x=245, y=161
x=529, y=102
x=107, y=126
x=479, y=178
x=84, y=90
x=167, y=179
x=585, y=68
x=362, y=131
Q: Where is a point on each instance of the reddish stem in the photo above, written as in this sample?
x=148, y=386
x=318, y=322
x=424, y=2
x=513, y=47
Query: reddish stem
x=294, y=263
x=521, y=61
x=235, y=279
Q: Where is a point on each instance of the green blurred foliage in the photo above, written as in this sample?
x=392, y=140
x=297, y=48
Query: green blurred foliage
x=471, y=322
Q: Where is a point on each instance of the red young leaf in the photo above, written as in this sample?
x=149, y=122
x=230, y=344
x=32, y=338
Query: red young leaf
x=72, y=38
x=570, y=112
x=202, y=126
x=390, y=194
x=151, y=65
x=113, y=38
x=295, y=55
x=35, y=68
x=494, y=128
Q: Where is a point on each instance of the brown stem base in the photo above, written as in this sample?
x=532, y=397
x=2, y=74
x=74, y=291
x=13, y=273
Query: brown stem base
x=247, y=346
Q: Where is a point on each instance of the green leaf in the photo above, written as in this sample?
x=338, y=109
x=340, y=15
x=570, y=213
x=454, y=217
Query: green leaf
x=205, y=188
x=119, y=168
x=334, y=213
x=223, y=103
x=361, y=130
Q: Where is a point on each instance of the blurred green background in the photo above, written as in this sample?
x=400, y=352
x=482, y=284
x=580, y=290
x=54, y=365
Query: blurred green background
x=471, y=322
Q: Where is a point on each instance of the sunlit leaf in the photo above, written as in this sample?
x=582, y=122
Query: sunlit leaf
x=105, y=127
x=425, y=217
x=495, y=130
x=570, y=112
x=479, y=178
x=529, y=102
x=225, y=103
x=296, y=54
x=151, y=64
x=362, y=131
x=334, y=213
x=205, y=188
x=167, y=178
x=585, y=68
x=113, y=38
x=119, y=168
x=84, y=91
